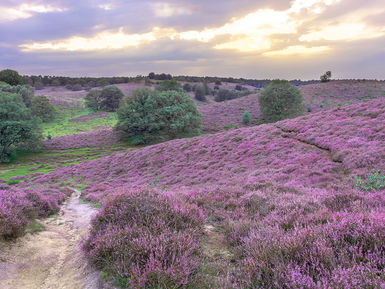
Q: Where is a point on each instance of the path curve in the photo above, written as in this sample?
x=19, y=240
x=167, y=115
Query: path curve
x=51, y=259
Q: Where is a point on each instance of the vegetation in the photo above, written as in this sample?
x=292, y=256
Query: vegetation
x=200, y=93
x=26, y=92
x=41, y=108
x=326, y=77
x=107, y=99
x=280, y=100
x=246, y=117
x=93, y=100
x=149, y=116
x=17, y=125
x=11, y=77
x=167, y=85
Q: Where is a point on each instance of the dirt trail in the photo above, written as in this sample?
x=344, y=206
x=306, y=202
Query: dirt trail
x=52, y=258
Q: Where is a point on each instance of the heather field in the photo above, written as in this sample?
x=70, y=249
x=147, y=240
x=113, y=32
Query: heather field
x=294, y=204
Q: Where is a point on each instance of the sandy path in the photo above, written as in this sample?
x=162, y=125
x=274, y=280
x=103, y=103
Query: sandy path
x=52, y=258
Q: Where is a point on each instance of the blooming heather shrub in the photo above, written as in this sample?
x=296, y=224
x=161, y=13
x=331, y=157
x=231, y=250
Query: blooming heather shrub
x=146, y=240
x=280, y=100
x=149, y=116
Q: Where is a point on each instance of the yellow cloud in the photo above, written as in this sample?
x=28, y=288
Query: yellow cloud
x=25, y=11
x=297, y=50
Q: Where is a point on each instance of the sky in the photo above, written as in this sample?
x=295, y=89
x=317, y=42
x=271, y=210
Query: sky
x=259, y=39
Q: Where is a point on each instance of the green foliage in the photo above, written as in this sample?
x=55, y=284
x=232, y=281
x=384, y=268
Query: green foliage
x=41, y=108
x=206, y=88
x=17, y=125
x=326, y=77
x=3, y=83
x=149, y=116
x=280, y=100
x=226, y=94
x=93, y=100
x=168, y=85
x=187, y=87
x=372, y=182
x=246, y=117
x=200, y=93
x=26, y=92
x=11, y=77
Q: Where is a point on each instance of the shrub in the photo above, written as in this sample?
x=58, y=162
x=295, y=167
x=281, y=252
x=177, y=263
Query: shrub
x=246, y=117
x=110, y=98
x=372, y=182
x=187, y=87
x=206, y=88
x=41, y=108
x=326, y=77
x=167, y=85
x=76, y=87
x=225, y=94
x=149, y=116
x=146, y=240
x=26, y=92
x=200, y=93
x=280, y=100
x=93, y=100
x=17, y=125
x=11, y=77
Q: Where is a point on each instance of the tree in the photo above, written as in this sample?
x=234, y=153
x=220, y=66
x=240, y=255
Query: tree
x=246, y=117
x=41, y=107
x=280, y=100
x=200, y=93
x=26, y=92
x=110, y=98
x=151, y=75
x=11, y=77
x=206, y=88
x=326, y=77
x=93, y=100
x=167, y=85
x=17, y=125
x=187, y=87
x=149, y=116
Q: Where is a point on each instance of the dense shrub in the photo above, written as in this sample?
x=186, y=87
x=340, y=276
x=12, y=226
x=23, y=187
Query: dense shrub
x=146, y=240
x=149, y=116
x=41, y=108
x=168, y=85
x=246, y=117
x=107, y=99
x=26, y=92
x=226, y=94
x=280, y=100
x=187, y=87
x=200, y=93
x=11, y=77
x=17, y=125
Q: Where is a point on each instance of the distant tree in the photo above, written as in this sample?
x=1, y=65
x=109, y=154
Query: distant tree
x=17, y=125
x=326, y=77
x=167, y=85
x=41, y=107
x=246, y=117
x=151, y=75
x=187, y=87
x=11, y=77
x=218, y=82
x=280, y=100
x=206, y=88
x=148, y=116
x=200, y=93
x=110, y=98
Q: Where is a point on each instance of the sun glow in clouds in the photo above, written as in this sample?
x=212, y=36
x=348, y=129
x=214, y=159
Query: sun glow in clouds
x=297, y=50
x=25, y=11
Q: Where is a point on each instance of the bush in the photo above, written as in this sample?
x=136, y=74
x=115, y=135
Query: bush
x=26, y=92
x=76, y=87
x=41, y=108
x=226, y=94
x=17, y=125
x=246, y=117
x=148, y=116
x=93, y=100
x=11, y=77
x=146, y=240
x=280, y=100
x=200, y=93
x=167, y=85
x=326, y=77
x=187, y=87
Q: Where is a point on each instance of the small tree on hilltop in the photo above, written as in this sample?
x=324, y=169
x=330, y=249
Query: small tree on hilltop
x=280, y=100
x=110, y=98
x=149, y=116
x=326, y=77
x=11, y=77
x=41, y=108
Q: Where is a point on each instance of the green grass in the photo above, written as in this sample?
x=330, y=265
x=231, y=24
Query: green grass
x=35, y=227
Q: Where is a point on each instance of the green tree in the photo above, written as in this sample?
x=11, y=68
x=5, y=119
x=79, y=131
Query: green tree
x=149, y=116
x=17, y=125
x=41, y=107
x=280, y=100
x=200, y=93
x=11, y=77
x=187, y=87
x=110, y=98
x=167, y=85
x=246, y=117
x=326, y=77
x=93, y=100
